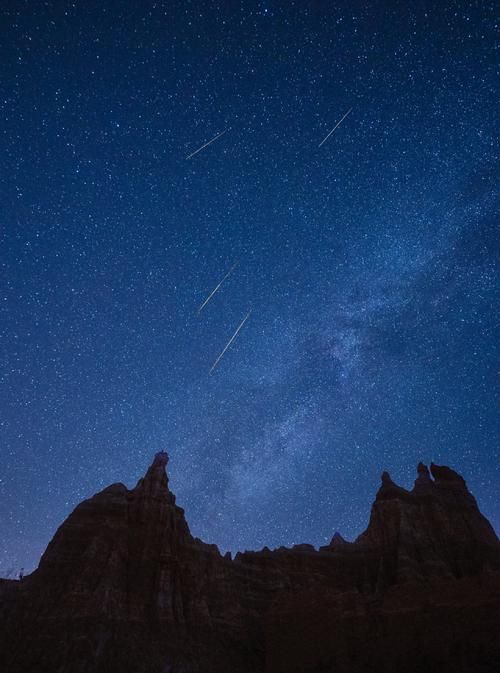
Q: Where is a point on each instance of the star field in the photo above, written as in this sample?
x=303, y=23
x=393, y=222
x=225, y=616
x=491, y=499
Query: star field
x=369, y=263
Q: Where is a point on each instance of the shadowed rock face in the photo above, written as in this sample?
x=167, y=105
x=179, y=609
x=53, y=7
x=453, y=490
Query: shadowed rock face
x=123, y=587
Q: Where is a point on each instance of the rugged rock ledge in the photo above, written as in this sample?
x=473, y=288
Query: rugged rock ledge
x=124, y=587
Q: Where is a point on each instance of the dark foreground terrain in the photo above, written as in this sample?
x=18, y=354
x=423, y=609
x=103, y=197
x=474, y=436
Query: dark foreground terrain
x=123, y=587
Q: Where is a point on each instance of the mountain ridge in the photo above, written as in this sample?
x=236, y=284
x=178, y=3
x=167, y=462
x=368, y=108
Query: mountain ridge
x=124, y=586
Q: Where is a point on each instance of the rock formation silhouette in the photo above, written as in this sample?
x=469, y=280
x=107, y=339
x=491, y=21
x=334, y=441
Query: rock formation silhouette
x=124, y=587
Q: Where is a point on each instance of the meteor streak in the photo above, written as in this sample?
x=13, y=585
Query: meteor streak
x=335, y=127
x=205, y=145
x=218, y=286
x=230, y=341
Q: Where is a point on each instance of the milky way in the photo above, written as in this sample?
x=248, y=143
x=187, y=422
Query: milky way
x=368, y=263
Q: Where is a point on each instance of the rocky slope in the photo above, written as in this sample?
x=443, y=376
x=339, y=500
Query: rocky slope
x=124, y=587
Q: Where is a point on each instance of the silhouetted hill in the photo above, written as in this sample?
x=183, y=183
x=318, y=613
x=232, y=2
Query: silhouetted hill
x=124, y=587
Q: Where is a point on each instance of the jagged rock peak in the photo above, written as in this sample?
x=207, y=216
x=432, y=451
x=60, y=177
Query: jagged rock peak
x=386, y=479
x=161, y=459
x=444, y=475
x=337, y=540
x=155, y=481
x=423, y=482
x=423, y=471
x=389, y=489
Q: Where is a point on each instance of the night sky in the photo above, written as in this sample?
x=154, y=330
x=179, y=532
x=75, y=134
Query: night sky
x=367, y=263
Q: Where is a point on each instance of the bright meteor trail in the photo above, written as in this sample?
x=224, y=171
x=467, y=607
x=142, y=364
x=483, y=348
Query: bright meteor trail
x=230, y=341
x=205, y=145
x=218, y=286
x=335, y=127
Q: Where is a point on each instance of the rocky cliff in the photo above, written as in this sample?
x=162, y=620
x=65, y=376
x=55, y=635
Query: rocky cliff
x=124, y=587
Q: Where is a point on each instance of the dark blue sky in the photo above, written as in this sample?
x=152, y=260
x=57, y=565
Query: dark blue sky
x=368, y=263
